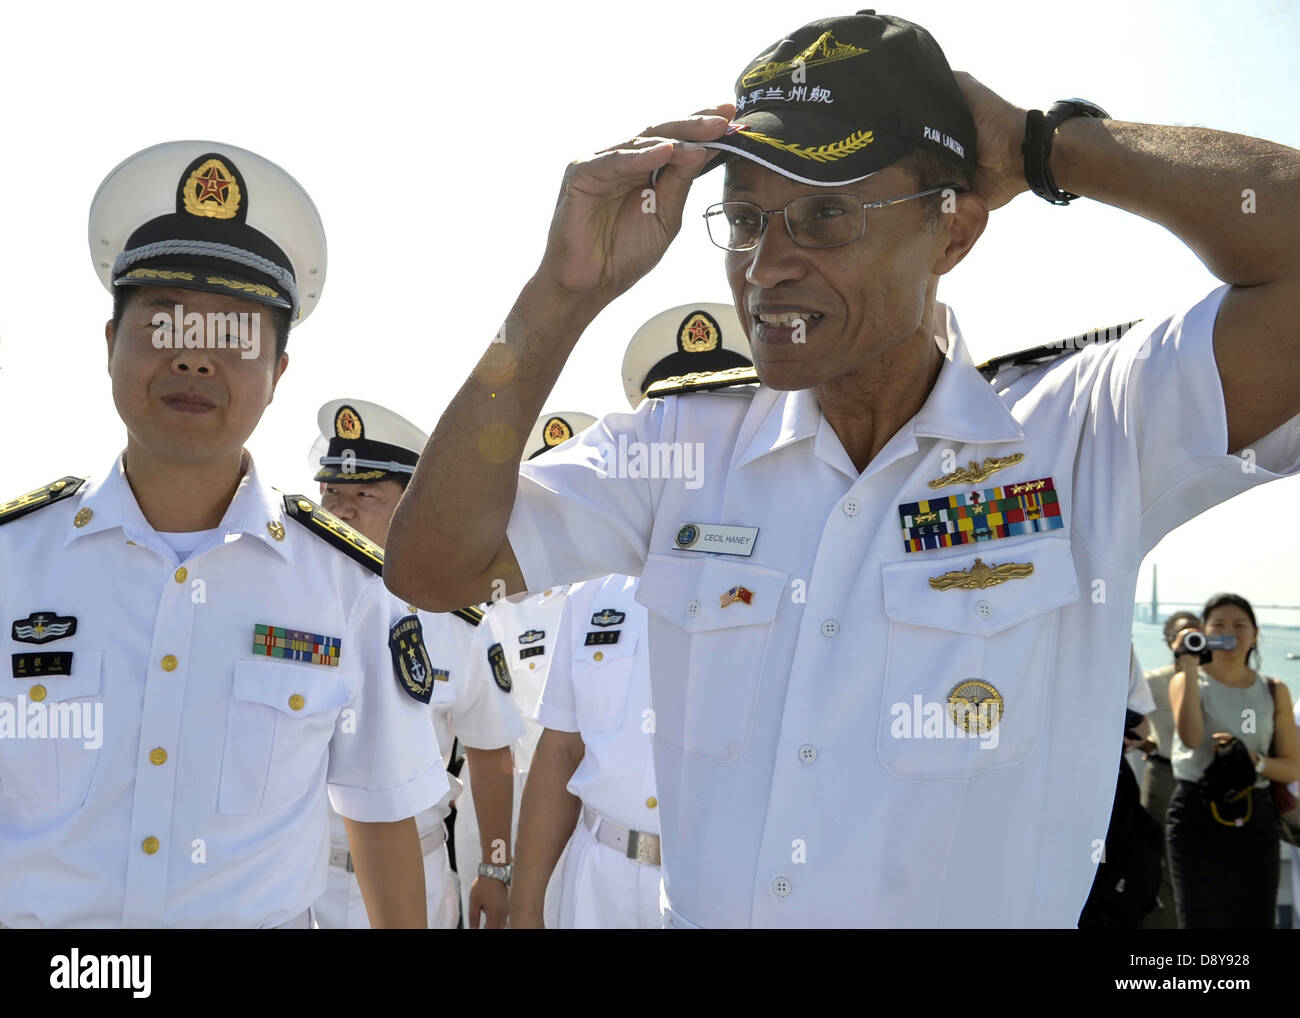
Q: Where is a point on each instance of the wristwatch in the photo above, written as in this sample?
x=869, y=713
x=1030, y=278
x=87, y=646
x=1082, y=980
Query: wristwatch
x=1037, y=146
x=501, y=873
x=1259, y=764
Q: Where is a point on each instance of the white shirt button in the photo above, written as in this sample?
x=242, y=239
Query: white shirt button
x=781, y=887
x=851, y=506
x=807, y=753
x=830, y=628
x=693, y=608
x=983, y=609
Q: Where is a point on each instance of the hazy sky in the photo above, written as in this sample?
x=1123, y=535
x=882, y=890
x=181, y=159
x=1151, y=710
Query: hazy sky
x=432, y=139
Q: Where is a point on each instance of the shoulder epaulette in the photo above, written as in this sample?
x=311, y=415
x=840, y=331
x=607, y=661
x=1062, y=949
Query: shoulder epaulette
x=702, y=381
x=473, y=614
x=1051, y=351
x=333, y=530
x=40, y=498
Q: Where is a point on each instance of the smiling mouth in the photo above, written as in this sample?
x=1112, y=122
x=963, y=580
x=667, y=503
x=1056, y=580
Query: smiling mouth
x=785, y=319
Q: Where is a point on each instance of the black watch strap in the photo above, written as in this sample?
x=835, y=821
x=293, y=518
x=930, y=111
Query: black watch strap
x=1037, y=146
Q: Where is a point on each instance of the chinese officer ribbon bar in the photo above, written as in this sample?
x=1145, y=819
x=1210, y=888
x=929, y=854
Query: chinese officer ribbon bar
x=295, y=645
x=980, y=515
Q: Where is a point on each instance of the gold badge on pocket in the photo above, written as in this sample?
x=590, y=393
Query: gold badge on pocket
x=980, y=576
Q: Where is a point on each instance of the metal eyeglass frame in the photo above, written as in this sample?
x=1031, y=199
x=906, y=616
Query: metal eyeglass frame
x=717, y=207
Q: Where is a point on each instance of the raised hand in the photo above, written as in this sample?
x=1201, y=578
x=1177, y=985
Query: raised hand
x=610, y=226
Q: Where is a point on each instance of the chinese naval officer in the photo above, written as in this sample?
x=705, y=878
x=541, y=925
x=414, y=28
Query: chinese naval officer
x=889, y=627
x=362, y=460
x=519, y=634
x=229, y=641
x=591, y=795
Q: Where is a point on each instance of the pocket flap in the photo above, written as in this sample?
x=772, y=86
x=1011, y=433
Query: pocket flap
x=698, y=593
x=295, y=690
x=910, y=598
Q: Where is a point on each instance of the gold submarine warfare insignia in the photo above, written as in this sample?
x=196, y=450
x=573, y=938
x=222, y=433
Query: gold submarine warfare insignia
x=981, y=576
x=976, y=472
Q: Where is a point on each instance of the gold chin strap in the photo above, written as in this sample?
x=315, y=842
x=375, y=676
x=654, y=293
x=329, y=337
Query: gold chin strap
x=1250, y=808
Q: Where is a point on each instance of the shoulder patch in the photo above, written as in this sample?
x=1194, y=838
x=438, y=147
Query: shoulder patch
x=1051, y=351
x=702, y=381
x=411, y=665
x=334, y=531
x=473, y=614
x=49, y=494
x=500, y=670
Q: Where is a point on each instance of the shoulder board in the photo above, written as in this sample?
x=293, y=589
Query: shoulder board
x=1051, y=351
x=473, y=614
x=702, y=381
x=334, y=531
x=40, y=498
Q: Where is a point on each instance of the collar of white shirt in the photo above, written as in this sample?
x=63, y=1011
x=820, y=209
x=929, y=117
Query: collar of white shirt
x=962, y=407
x=255, y=511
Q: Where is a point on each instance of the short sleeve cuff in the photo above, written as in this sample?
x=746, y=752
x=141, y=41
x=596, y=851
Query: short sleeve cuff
x=559, y=720
x=387, y=805
x=528, y=544
x=490, y=736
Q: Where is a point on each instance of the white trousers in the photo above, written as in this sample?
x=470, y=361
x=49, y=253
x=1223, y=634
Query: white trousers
x=341, y=907
x=603, y=889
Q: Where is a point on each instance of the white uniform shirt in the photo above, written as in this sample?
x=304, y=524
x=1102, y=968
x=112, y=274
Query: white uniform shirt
x=798, y=789
x=464, y=704
x=205, y=805
x=602, y=691
x=526, y=631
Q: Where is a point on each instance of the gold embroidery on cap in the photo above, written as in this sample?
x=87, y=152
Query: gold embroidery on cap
x=976, y=472
x=211, y=191
x=827, y=153
x=159, y=274
x=261, y=289
x=824, y=51
x=979, y=576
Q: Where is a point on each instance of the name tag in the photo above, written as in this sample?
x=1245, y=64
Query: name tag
x=716, y=538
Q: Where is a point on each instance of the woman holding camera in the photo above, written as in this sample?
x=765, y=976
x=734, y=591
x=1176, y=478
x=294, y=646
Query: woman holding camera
x=1222, y=825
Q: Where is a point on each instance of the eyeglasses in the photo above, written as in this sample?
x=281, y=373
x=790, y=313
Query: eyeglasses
x=814, y=220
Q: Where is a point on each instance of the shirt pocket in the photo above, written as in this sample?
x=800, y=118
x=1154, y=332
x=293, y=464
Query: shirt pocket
x=602, y=676
x=968, y=672
x=719, y=615
x=279, y=726
x=54, y=768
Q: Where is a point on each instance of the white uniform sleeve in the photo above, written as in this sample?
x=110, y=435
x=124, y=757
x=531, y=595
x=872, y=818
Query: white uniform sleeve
x=483, y=716
x=583, y=510
x=1159, y=393
x=557, y=709
x=384, y=760
x=1140, y=699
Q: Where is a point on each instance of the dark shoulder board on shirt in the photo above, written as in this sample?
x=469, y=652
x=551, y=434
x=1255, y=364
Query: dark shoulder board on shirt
x=702, y=381
x=473, y=614
x=1052, y=351
x=334, y=531
x=50, y=493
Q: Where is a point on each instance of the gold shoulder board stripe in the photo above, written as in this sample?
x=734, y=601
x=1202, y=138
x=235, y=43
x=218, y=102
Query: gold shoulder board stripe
x=1052, y=351
x=334, y=531
x=40, y=498
x=473, y=614
x=702, y=381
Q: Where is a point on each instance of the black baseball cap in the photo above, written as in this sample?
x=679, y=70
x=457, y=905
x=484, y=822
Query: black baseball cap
x=840, y=98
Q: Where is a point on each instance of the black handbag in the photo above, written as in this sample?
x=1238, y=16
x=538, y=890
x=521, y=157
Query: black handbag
x=1227, y=784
